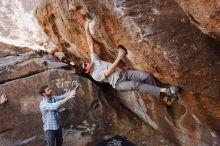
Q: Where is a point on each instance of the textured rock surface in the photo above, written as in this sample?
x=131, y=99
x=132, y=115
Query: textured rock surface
x=160, y=39
x=18, y=25
x=158, y=35
x=87, y=120
x=15, y=65
x=204, y=14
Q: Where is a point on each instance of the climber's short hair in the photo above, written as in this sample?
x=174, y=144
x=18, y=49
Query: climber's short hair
x=42, y=89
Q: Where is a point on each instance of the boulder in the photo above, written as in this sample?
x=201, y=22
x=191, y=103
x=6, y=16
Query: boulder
x=161, y=40
x=158, y=35
x=14, y=65
x=21, y=119
x=203, y=14
x=91, y=117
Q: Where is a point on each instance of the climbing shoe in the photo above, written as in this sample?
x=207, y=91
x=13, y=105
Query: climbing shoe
x=168, y=100
x=172, y=90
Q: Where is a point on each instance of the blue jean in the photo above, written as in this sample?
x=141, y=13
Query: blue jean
x=54, y=135
x=136, y=80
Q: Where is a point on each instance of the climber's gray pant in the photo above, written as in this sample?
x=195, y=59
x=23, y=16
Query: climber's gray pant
x=137, y=80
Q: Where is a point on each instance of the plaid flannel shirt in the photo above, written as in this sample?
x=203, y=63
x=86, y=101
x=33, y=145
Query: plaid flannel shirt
x=50, y=112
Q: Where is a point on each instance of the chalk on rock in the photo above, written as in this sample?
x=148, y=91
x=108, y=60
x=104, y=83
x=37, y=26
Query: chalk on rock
x=92, y=26
x=59, y=55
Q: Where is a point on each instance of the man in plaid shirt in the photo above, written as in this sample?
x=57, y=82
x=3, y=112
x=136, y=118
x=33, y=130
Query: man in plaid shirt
x=49, y=107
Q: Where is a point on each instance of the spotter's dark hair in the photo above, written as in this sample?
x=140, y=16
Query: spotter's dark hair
x=42, y=89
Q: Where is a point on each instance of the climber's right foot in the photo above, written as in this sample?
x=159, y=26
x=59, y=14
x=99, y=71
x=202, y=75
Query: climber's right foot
x=89, y=17
x=172, y=94
x=168, y=100
x=172, y=90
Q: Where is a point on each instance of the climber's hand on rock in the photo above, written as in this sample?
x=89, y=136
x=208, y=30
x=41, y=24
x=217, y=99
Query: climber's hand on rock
x=122, y=50
x=88, y=17
x=89, y=20
x=121, y=53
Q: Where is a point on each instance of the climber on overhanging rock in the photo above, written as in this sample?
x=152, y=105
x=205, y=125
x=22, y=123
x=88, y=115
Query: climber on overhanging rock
x=3, y=99
x=124, y=80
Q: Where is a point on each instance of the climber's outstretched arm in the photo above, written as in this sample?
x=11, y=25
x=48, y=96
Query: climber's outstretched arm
x=89, y=38
x=114, y=65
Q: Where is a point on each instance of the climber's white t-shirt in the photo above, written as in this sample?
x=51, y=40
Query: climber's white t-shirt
x=99, y=68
